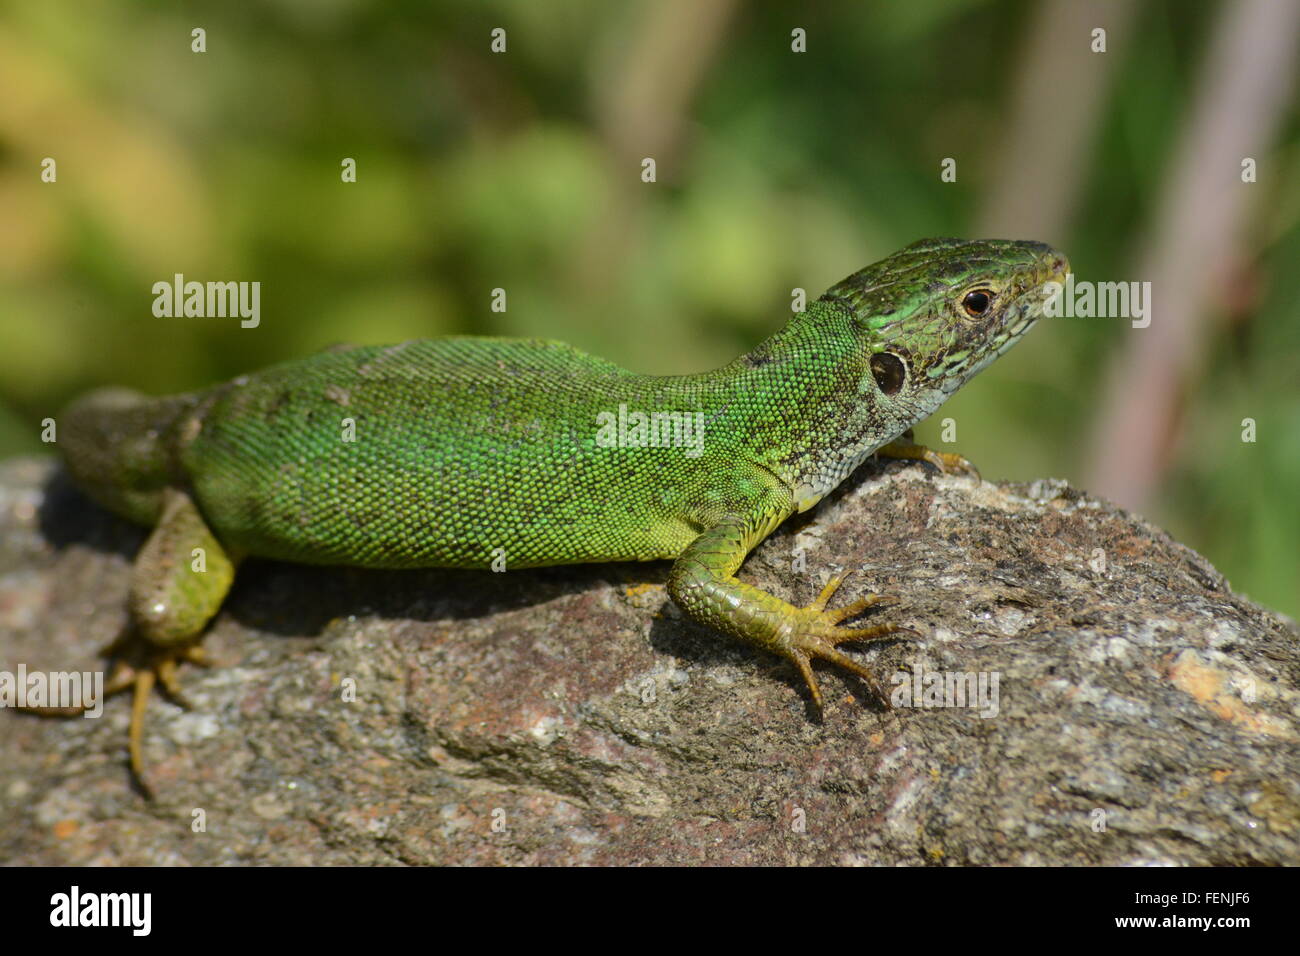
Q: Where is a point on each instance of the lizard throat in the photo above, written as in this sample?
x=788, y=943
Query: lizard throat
x=813, y=487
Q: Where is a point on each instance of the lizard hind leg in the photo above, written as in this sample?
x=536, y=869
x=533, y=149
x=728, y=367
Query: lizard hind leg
x=180, y=577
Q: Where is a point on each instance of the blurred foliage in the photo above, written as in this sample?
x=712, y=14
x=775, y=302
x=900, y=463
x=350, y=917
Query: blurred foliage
x=478, y=170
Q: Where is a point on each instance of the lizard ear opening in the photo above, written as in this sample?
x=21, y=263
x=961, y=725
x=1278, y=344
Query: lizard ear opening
x=889, y=372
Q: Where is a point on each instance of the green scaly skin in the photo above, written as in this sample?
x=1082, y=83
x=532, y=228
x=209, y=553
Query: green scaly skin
x=455, y=452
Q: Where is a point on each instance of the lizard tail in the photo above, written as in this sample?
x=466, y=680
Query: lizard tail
x=118, y=446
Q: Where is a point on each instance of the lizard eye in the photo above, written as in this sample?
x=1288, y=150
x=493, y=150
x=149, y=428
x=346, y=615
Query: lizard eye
x=889, y=372
x=977, y=302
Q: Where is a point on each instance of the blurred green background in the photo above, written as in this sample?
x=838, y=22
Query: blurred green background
x=776, y=169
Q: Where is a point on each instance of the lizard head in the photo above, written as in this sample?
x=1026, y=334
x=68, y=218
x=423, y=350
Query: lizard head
x=939, y=311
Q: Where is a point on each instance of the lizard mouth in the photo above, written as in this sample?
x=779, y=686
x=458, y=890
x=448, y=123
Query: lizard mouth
x=1052, y=267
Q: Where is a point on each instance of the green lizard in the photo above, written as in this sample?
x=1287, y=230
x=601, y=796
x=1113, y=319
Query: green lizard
x=456, y=452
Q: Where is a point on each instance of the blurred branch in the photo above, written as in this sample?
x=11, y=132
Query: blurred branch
x=1059, y=92
x=642, y=101
x=642, y=92
x=1197, y=239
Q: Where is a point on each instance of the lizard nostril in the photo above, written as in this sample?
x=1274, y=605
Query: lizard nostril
x=1055, y=264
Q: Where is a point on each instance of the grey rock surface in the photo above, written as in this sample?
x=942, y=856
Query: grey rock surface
x=1143, y=713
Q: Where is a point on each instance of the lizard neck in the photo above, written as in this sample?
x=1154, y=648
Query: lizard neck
x=804, y=405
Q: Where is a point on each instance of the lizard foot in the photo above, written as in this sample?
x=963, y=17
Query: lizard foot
x=137, y=666
x=949, y=463
x=813, y=632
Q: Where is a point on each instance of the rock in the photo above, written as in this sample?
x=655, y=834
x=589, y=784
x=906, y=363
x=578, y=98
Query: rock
x=1136, y=710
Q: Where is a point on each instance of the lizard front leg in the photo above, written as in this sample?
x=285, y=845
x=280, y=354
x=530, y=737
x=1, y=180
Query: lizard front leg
x=704, y=585
x=178, y=581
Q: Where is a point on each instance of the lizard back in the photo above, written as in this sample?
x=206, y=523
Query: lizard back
x=407, y=455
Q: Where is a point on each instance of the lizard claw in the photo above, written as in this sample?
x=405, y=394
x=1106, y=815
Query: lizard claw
x=950, y=463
